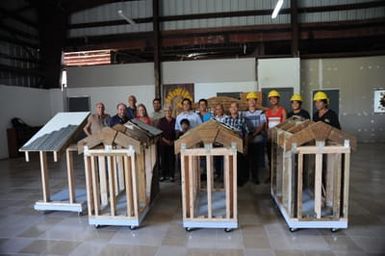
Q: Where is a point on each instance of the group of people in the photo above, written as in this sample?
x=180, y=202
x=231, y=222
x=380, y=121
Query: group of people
x=253, y=125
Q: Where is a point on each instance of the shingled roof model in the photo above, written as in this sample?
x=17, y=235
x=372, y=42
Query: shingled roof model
x=57, y=133
x=209, y=133
x=306, y=131
x=129, y=134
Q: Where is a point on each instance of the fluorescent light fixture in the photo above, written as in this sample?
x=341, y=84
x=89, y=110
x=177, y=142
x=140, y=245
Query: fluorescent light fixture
x=63, y=79
x=129, y=20
x=277, y=8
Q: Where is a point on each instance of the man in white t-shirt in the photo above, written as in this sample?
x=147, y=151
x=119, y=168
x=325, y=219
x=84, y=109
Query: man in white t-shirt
x=188, y=114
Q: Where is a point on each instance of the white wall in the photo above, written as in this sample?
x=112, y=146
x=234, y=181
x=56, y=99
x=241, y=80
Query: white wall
x=113, y=95
x=209, y=71
x=111, y=75
x=279, y=73
x=112, y=84
x=31, y=105
x=207, y=90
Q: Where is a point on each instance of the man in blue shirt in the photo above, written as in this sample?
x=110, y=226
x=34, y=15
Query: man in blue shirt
x=121, y=115
x=203, y=113
x=131, y=109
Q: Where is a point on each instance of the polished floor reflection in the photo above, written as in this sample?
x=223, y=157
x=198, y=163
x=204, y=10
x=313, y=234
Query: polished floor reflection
x=262, y=231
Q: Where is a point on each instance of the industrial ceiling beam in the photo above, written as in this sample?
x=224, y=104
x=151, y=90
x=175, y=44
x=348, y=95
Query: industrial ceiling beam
x=14, y=15
x=157, y=48
x=294, y=28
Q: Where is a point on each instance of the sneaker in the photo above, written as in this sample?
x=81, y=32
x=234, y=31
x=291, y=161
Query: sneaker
x=172, y=179
x=161, y=179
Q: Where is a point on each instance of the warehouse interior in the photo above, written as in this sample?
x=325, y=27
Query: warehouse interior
x=57, y=54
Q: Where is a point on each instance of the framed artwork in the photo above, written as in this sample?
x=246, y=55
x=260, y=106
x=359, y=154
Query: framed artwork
x=174, y=94
x=379, y=101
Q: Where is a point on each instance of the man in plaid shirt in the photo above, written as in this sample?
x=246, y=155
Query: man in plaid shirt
x=238, y=123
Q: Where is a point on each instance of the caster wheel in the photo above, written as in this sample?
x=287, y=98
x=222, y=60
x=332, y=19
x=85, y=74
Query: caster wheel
x=293, y=229
x=132, y=227
x=188, y=229
x=333, y=230
x=227, y=230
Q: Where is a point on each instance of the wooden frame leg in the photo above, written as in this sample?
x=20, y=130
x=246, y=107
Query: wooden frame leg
x=103, y=180
x=70, y=176
x=44, y=176
x=88, y=175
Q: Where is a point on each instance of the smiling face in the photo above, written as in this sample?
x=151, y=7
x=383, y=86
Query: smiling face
x=202, y=106
x=274, y=100
x=219, y=111
x=186, y=105
x=141, y=111
x=168, y=112
x=233, y=109
x=100, y=109
x=295, y=105
x=121, y=110
x=319, y=104
x=252, y=103
x=132, y=101
x=156, y=105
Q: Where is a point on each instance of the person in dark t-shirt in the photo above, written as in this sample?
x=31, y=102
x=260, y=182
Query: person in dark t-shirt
x=323, y=113
x=296, y=106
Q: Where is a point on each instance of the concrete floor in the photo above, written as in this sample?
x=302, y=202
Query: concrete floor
x=262, y=231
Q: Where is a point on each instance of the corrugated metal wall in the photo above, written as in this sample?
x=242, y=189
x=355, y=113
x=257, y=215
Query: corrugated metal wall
x=140, y=9
x=16, y=57
x=108, y=12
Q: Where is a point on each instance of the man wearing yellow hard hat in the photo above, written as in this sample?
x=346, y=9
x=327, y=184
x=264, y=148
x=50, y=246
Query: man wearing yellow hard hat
x=296, y=108
x=276, y=113
x=256, y=121
x=323, y=112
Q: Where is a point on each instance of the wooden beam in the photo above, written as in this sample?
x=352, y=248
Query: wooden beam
x=157, y=48
x=294, y=28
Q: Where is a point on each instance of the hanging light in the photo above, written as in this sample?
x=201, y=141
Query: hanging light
x=129, y=20
x=277, y=8
x=63, y=80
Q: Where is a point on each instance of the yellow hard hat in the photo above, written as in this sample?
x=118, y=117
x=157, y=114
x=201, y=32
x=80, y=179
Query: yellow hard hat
x=296, y=97
x=320, y=95
x=251, y=95
x=273, y=93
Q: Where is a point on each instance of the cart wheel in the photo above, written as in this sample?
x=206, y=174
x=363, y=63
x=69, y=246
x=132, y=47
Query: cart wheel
x=227, y=230
x=333, y=230
x=188, y=229
x=293, y=229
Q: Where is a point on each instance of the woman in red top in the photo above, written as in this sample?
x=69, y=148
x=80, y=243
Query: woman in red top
x=275, y=115
x=141, y=114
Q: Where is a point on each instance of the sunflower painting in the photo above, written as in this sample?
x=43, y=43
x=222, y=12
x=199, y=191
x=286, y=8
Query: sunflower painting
x=175, y=93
